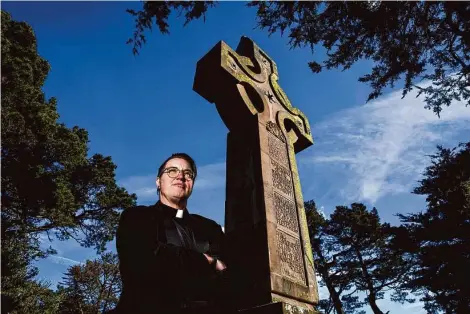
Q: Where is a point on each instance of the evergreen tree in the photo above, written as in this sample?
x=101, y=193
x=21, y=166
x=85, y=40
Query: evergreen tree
x=439, y=237
x=354, y=252
x=50, y=186
x=336, y=278
x=367, y=249
x=36, y=298
x=94, y=287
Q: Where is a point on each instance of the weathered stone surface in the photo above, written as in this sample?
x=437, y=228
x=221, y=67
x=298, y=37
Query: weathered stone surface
x=290, y=254
x=282, y=179
x=264, y=216
x=278, y=150
x=286, y=214
x=279, y=308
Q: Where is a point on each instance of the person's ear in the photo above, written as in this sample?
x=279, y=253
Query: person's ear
x=157, y=182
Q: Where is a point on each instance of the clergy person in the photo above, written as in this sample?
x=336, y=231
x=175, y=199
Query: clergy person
x=171, y=261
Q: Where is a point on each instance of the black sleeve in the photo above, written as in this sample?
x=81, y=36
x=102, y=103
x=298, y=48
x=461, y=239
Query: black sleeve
x=211, y=231
x=223, y=293
x=217, y=246
x=145, y=260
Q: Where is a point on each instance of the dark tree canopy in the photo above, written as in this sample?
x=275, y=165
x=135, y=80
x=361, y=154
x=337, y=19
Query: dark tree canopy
x=354, y=252
x=337, y=279
x=407, y=40
x=93, y=287
x=50, y=186
x=439, y=237
x=366, y=244
x=88, y=288
x=37, y=298
x=159, y=11
x=18, y=252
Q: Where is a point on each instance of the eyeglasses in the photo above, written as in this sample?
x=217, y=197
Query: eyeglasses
x=173, y=172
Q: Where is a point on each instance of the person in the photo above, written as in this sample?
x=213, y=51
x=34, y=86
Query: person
x=171, y=261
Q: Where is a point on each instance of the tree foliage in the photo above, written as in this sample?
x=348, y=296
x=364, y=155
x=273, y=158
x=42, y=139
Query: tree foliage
x=355, y=252
x=336, y=278
x=36, y=298
x=367, y=249
x=439, y=237
x=94, y=287
x=413, y=41
x=18, y=273
x=89, y=288
x=50, y=186
x=159, y=11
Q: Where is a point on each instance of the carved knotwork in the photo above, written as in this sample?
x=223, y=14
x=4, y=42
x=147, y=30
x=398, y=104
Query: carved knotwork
x=275, y=130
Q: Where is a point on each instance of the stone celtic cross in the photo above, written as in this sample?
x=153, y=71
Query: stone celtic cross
x=265, y=221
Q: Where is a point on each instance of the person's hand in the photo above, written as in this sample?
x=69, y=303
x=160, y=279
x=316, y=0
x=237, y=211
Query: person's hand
x=209, y=258
x=219, y=266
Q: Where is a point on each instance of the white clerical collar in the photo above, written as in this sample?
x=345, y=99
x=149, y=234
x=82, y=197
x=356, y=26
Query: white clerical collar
x=179, y=213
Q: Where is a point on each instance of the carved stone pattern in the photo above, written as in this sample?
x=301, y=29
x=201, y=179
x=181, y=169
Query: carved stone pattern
x=274, y=129
x=291, y=257
x=282, y=178
x=270, y=96
x=277, y=150
x=286, y=213
x=232, y=63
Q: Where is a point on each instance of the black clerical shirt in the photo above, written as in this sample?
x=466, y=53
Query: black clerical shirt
x=162, y=266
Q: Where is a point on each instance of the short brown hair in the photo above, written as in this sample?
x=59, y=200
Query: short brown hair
x=184, y=156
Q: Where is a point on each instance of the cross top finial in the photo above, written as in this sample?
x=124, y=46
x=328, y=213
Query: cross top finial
x=244, y=83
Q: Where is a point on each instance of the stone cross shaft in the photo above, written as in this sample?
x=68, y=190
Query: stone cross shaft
x=265, y=221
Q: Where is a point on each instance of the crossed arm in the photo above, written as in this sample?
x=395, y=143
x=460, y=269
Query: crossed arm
x=146, y=261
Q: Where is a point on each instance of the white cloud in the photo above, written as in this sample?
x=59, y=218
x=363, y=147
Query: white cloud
x=143, y=186
x=323, y=292
x=386, y=305
x=380, y=148
x=416, y=307
x=210, y=176
x=63, y=260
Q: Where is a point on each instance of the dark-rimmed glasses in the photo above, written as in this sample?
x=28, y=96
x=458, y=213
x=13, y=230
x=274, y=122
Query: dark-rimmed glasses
x=173, y=172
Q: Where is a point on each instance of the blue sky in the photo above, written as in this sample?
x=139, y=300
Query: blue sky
x=140, y=109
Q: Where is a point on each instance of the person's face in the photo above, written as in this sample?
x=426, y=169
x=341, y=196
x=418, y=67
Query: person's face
x=178, y=189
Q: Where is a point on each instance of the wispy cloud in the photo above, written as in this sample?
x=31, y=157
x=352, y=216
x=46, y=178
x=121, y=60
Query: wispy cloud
x=379, y=149
x=63, y=249
x=210, y=176
x=386, y=305
x=143, y=186
x=63, y=260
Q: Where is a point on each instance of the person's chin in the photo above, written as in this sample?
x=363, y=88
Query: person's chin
x=177, y=190
x=179, y=196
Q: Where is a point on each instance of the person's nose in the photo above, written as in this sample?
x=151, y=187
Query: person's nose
x=180, y=175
